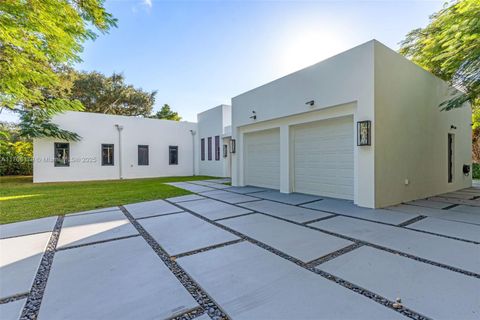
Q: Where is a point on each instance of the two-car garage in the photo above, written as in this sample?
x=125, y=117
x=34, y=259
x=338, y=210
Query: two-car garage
x=320, y=155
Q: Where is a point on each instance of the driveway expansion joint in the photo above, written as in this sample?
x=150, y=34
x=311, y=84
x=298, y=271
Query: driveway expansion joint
x=371, y=295
x=206, y=303
x=34, y=299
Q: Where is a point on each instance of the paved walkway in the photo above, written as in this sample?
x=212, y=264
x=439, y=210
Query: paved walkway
x=247, y=253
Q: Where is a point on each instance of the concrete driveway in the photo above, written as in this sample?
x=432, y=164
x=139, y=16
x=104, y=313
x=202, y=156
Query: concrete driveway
x=247, y=253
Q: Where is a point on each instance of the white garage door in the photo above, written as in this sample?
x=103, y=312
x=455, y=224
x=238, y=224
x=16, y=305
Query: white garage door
x=323, y=158
x=262, y=158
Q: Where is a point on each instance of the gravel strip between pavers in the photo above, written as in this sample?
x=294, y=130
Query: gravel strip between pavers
x=189, y=315
x=96, y=242
x=207, y=304
x=16, y=297
x=215, y=246
x=34, y=300
x=413, y=220
x=371, y=295
x=333, y=255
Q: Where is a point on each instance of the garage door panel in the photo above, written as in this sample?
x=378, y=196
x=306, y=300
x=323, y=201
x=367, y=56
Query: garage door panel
x=323, y=158
x=262, y=158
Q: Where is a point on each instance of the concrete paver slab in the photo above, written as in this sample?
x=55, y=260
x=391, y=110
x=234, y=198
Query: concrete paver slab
x=221, y=180
x=451, y=214
x=467, y=209
x=83, y=229
x=12, y=310
x=347, y=208
x=245, y=190
x=93, y=211
x=121, y=279
x=451, y=252
x=188, y=197
x=288, y=198
x=191, y=187
x=229, y=197
x=302, y=243
x=19, y=261
x=285, y=211
x=213, y=209
x=183, y=232
x=151, y=208
x=458, y=195
x=428, y=204
x=27, y=227
x=449, y=228
x=252, y=283
x=432, y=291
x=210, y=184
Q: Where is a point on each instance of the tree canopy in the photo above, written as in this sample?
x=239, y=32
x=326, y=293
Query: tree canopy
x=166, y=113
x=101, y=94
x=449, y=47
x=37, y=39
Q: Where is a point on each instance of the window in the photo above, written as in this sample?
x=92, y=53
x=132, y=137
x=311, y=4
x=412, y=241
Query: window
x=209, y=148
x=173, y=155
x=202, y=149
x=62, y=154
x=142, y=155
x=217, y=148
x=107, y=154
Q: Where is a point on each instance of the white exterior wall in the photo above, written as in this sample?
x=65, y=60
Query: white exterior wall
x=97, y=129
x=370, y=82
x=411, y=139
x=211, y=123
x=342, y=85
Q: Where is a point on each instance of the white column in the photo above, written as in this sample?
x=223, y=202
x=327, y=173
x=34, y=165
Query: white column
x=285, y=159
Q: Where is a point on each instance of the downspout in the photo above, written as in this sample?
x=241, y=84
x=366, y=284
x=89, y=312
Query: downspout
x=119, y=129
x=193, y=148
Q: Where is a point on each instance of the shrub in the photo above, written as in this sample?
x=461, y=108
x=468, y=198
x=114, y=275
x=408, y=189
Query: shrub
x=476, y=170
x=16, y=158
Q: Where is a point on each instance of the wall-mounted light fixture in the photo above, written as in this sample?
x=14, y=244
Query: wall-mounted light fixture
x=232, y=146
x=364, y=133
x=453, y=127
x=254, y=115
x=225, y=150
x=310, y=103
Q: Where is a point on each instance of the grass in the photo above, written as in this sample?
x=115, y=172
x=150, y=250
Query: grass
x=21, y=199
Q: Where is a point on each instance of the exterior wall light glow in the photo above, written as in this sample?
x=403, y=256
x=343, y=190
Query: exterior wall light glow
x=364, y=133
x=232, y=146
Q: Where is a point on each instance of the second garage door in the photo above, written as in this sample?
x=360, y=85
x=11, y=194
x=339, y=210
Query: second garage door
x=323, y=158
x=262, y=158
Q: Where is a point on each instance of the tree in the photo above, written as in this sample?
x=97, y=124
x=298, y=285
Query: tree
x=449, y=47
x=16, y=152
x=101, y=94
x=166, y=113
x=37, y=39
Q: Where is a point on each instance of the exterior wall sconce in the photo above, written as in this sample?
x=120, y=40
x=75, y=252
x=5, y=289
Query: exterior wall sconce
x=254, y=115
x=232, y=146
x=225, y=150
x=310, y=103
x=364, y=132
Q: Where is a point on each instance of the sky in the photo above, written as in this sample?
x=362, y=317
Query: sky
x=199, y=54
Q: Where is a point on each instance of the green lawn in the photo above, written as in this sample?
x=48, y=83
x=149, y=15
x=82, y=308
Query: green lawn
x=20, y=199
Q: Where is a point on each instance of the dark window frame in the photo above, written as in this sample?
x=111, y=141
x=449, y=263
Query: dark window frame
x=112, y=146
x=66, y=162
x=217, y=148
x=209, y=148
x=174, y=160
x=451, y=157
x=202, y=149
x=145, y=147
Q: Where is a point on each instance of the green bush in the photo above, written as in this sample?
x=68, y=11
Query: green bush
x=476, y=170
x=16, y=158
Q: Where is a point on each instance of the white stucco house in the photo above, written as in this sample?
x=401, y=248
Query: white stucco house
x=363, y=125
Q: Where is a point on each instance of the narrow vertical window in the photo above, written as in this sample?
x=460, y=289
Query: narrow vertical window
x=202, y=149
x=62, y=154
x=172, y=155
x=451, y=151
x=107, y=154
x=217, y=148
x=209, y=148
x=143, y=155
